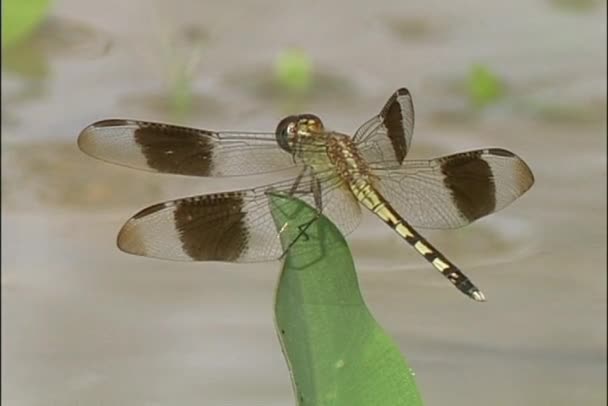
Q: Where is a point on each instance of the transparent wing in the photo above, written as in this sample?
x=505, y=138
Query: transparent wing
x=454, y=190
x=166, y=148
x=234, y=226
x=386, y=138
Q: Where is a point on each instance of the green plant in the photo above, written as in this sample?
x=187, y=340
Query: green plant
x=484, y=87
x=21, y=17
x=336, y=351
x=293, y=70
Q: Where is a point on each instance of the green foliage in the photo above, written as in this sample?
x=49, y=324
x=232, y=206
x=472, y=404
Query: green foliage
x=21, y=17
x=293, y=70
x=183, y=50
x=336, y=351
x=181, y=94
x=576, y=5
x=483, y=86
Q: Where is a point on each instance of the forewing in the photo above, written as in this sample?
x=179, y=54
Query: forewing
x=386, y=138
x=233, y=226
x=454, y=190
x=166, y=148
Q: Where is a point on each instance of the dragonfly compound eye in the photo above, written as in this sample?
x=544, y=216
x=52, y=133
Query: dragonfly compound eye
x=286, y=130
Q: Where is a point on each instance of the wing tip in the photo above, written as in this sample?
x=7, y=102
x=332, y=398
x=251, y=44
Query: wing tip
x=403, y=91
x=524, y=172
x=128, y=241
x=124, y=238
x=141, y=238
x=88, y=137
x=85, y=139
x=526, y=176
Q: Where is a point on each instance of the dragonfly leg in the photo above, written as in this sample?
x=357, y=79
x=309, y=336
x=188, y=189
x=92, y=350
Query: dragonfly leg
x=316, y=193
x=296, y=183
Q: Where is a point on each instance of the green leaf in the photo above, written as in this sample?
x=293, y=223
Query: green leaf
x=294, y=71
x=181, y=94
x=336, y=351
x=20, y=17
x=484, y=87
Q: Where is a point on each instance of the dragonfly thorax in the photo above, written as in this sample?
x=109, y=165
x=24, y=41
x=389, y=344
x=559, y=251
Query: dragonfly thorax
x=293, y=129
x=347, y=159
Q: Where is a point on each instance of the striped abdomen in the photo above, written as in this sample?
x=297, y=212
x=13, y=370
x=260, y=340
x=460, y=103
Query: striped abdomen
x=370, y=198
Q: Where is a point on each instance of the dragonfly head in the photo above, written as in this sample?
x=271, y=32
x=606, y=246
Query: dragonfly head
x=292, y=127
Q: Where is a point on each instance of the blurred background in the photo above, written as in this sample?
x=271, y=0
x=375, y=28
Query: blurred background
x=84, y=324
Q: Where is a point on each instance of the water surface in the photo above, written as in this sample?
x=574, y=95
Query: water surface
x=86, y=324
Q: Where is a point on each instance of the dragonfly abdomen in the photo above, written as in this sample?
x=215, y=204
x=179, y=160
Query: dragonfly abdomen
x=375, y=202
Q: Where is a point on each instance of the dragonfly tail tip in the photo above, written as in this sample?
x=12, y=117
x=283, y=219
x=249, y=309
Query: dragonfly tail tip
x=477, y=295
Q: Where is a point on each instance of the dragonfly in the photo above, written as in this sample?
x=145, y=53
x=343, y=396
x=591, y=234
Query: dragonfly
x=337, y=174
